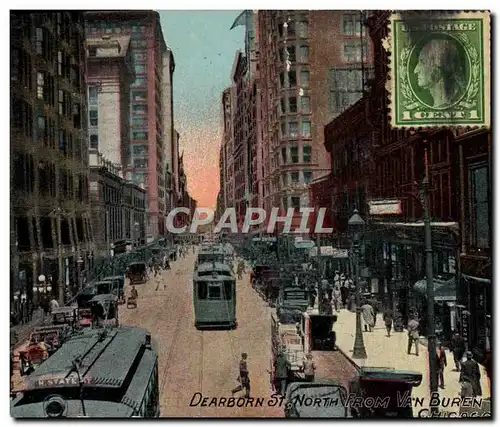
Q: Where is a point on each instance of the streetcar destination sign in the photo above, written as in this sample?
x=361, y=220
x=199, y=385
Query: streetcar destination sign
x=58, y=382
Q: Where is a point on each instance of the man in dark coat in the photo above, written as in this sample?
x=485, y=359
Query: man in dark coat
x=470, y=373
x=442, y=363
x=458, y=349
x=281, y=371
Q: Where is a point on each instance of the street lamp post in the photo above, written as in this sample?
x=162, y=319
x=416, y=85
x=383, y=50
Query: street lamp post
x=80, y=262
x=431, y=333
x=356, y=223
x=136, y=234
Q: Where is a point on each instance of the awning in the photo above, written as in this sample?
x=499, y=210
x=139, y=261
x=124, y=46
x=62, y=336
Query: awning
x=477, y=279
x=444, y=290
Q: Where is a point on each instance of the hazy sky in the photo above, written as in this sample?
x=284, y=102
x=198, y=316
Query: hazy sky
x=204, y=50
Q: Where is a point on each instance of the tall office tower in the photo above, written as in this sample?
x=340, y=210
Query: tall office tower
x=144, y=158
x=311, y=66
x=50, y=222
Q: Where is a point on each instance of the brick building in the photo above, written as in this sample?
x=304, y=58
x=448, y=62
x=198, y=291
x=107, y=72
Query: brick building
x=371, y=161
x=310, y=66
x=151, y=127
x=50, y=221
x=472, y=160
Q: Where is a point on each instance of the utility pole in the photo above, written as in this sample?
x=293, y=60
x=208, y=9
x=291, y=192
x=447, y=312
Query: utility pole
x=62, y=272
x=431, y=333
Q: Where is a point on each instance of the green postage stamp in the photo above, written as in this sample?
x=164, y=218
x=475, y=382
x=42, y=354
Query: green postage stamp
x=439, y=69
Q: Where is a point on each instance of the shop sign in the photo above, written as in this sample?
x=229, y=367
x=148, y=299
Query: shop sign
x=385, y=207
x=464, y=320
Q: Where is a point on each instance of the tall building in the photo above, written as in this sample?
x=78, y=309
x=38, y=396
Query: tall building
x=49, y=181
x=110, y=72
x=310, y=66
x=150, y=129
x=228, y=111
x=168, y=122
x=240, y=130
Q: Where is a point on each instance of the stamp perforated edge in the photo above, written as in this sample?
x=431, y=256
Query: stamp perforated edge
x=437, y=14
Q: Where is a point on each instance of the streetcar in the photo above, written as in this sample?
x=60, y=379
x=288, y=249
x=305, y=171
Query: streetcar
x=214, y=296
x=211, y=254
x=103, y=373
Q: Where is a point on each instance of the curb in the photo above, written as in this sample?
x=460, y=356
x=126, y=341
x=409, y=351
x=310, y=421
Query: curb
x=349, y=359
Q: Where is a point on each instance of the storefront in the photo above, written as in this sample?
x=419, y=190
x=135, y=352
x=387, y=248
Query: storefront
x=394, y=256
x=478, y=307
x=445, y=296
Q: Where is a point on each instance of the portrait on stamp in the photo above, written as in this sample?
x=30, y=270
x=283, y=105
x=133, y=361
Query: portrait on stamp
x=440, y=69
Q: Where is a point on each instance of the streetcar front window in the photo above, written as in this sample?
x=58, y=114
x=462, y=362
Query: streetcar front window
x=202, y=290
x=214, y=291
x=227, y=290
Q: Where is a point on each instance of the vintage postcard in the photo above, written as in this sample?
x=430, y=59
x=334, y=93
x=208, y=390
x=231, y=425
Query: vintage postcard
x=250, y=214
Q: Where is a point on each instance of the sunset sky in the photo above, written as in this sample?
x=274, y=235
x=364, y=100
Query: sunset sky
x=204, y=50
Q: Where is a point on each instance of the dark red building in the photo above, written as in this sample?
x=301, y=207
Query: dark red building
x=371, y=161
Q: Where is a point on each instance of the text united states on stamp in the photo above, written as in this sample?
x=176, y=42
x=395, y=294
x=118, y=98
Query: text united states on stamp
x=440, y=69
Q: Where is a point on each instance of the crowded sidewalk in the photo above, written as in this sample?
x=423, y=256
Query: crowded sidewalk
x=391, y=352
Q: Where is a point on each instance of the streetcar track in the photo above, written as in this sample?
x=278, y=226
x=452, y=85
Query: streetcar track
x=177, y=328
x=201, y=363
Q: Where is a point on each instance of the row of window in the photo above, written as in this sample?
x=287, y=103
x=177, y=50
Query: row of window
x=289, y=79
x=352, y=23
x=288, y=105
x=23, y=179
x=295, y=177
x=43, y=129
x=293, y=29
x=116, y=28
x=291, y=154
x=291, y=129
x=355, y=50
x=289, y=53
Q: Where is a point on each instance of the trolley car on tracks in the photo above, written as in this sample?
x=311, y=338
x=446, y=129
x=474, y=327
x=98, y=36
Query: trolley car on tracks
x=97, y=373
x=214, y=296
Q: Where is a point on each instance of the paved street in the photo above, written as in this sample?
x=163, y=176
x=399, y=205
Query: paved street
x=192, y=361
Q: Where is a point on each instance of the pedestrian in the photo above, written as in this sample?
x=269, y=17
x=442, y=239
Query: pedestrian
x=458, y=348
x=388, y=319
x=337, y=298
x=470, y=373
x=309, y=368
x=243, y=377
x=281, y=372
x=53, y=304
x=45, y=306
x=442, y=363
x=241, y=269
x=344, y=293
x=24, y=311
x=368, y=316
x=134, y=294
x=413, y=334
